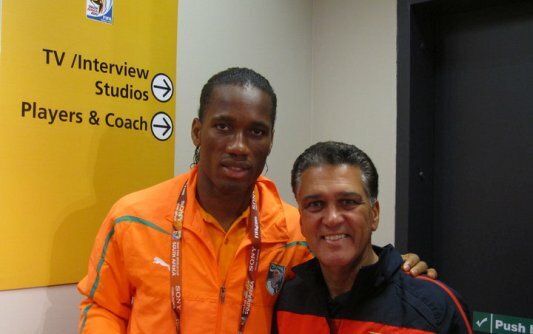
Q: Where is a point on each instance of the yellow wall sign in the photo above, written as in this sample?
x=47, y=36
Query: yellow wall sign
x=87, y=109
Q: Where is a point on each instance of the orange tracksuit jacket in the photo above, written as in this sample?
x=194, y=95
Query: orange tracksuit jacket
x=128, y=282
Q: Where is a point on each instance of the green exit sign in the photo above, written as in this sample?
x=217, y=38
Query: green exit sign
x=501, y=324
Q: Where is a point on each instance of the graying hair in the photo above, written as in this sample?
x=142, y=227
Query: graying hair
x=337, y=153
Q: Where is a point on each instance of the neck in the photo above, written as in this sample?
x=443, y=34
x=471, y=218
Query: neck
x=225, y=207
x=340, y=279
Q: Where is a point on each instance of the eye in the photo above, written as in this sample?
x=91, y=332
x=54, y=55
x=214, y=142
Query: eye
x=257, y=132
x=222, y=126
x=349, y=202
x=314, y=206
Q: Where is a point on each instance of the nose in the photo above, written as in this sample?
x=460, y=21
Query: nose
x=332, y=216
x=238, y=144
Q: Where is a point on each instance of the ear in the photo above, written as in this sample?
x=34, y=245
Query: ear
x=374, y=216
x=271, y=141
x=302, y=230
x=299, y=206
x=196, y=130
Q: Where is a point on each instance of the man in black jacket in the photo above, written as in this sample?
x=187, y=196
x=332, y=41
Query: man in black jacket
x=352, y=286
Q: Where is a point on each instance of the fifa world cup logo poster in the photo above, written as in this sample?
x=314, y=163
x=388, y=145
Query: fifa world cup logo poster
x=100, y=10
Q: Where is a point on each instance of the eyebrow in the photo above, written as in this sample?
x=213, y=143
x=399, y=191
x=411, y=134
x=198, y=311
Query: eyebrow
x=352, y=193
x=223, y=118
x=312, y=197
x=342, y=194
x=262, y=125
x=229, y=118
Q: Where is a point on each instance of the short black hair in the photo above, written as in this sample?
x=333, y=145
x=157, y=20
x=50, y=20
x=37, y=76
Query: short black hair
x=336, y=153
x=239, y=76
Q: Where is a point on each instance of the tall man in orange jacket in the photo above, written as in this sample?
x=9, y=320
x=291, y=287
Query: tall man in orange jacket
x=207, y=251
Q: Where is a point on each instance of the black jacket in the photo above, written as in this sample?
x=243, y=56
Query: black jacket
x=383, y=299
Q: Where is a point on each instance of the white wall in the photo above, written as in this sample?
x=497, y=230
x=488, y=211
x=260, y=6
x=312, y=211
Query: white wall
x=332, y=64
x=354, y=87
x=41, y=310
x=272, y=37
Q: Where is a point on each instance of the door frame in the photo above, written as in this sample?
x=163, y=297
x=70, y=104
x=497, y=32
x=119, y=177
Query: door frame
x=417, y=57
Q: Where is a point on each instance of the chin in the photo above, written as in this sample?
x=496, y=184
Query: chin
x=234, y=186
x=335, y=261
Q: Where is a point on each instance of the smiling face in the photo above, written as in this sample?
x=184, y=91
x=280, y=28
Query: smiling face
x=337, y=217
x=235, y=137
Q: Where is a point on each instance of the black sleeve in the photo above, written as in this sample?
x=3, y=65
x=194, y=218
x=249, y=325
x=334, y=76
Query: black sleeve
x=274, y=329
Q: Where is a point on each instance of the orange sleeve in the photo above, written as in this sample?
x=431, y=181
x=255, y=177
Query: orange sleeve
x=95, y=319
x=107, y=307
x=298, y=243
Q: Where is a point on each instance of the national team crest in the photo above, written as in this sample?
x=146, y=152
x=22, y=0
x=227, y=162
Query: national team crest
x=275, y=278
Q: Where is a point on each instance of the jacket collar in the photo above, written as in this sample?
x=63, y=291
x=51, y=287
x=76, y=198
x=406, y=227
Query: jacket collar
x=271, y=212
x=369, y=278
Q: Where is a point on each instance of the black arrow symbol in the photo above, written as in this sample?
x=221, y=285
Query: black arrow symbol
x=166, y=87
x=166, y=126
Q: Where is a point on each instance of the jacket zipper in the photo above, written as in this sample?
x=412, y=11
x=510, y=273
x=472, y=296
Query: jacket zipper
x=223, y=293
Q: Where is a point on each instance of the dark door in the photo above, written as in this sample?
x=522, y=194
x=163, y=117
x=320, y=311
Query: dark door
x=465, y=147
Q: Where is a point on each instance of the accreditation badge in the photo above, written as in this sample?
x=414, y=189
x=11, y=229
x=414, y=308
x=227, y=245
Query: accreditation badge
x=275, y=278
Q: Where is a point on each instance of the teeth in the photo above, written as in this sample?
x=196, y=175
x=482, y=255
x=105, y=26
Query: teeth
x=335, y=237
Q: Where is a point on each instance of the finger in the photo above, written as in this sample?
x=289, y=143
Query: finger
x=418, y=269
x=432, y=273
x=410, y=260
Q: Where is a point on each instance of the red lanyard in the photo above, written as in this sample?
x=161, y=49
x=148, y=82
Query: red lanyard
x=175, y=254
x=253, y=263
x=175, y=264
